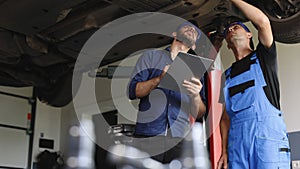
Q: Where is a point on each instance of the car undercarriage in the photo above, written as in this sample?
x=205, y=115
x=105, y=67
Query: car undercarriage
x=40, y=40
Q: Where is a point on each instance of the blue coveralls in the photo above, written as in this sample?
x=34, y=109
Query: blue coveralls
x=257, y=136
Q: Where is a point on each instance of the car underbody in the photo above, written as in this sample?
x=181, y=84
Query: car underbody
x=40, y=40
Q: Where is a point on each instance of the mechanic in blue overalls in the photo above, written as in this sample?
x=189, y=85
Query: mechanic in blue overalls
x=252, y=128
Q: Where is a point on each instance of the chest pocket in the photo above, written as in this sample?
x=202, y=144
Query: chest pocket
x=242, y=96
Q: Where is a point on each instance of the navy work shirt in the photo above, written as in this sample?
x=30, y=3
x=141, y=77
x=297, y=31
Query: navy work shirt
x=162, y=108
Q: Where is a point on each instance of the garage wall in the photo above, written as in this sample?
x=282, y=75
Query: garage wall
x=289, y=69
x=47, y=126
x=14, y=143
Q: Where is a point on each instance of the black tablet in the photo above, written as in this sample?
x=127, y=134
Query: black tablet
x=184, y=67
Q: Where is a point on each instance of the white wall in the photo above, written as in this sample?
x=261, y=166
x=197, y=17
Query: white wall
x=48, y=122
x=77, y=145
x=289, y=79
x=14, y=143
x=289, y=69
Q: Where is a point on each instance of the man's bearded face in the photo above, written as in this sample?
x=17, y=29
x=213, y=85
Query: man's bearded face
x=187, y=35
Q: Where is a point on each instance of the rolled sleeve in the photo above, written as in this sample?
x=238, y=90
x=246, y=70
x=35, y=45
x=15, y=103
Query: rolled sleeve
x=140, y=74
x=131, y=90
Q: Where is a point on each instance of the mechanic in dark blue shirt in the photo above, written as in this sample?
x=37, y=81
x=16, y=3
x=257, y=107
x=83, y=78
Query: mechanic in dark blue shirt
x=164, y=115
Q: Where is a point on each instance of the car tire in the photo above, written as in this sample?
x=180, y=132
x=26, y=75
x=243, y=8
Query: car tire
x=59, y=94
x=285, y=30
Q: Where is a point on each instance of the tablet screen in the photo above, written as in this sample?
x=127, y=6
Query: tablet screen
x=184, y=67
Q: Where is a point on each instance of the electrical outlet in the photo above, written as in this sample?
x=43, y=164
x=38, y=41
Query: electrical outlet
x=296, y=164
